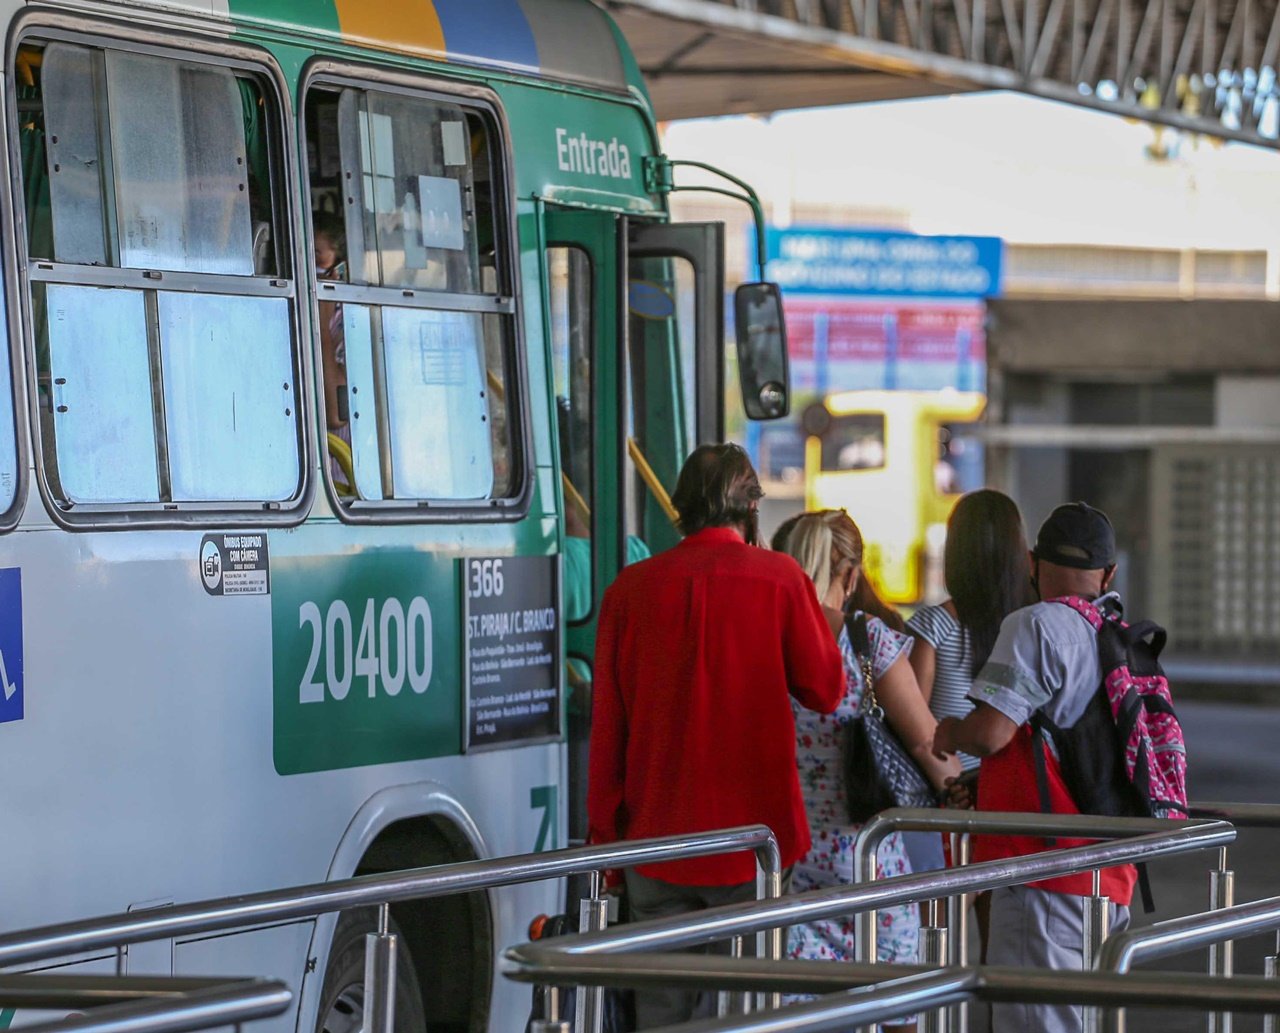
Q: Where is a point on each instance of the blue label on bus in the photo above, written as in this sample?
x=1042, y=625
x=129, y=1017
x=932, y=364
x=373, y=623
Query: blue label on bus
x=10, y=645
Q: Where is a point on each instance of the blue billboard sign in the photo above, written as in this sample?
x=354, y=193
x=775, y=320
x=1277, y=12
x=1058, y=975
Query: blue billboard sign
x=883, y=264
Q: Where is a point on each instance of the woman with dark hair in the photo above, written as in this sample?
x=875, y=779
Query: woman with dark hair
x=828, y=547
x=989, y=576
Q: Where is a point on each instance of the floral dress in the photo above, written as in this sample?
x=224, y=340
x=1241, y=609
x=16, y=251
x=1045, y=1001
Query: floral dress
x=829, y=861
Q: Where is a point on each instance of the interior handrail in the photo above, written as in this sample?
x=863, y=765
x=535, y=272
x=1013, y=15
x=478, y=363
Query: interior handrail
x=115, y=931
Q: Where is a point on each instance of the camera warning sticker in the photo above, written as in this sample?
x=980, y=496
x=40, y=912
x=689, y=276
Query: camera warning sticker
x=235, y=564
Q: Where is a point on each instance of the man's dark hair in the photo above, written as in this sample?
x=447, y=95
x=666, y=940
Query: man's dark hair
x=717, y=487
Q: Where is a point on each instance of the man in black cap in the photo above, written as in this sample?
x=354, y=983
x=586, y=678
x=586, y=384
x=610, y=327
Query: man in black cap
x=1045, y=661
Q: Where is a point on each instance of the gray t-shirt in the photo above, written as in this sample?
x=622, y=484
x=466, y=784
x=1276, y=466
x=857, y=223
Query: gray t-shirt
x=1045, y=658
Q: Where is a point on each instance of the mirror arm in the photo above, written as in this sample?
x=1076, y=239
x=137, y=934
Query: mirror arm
x=660, y=179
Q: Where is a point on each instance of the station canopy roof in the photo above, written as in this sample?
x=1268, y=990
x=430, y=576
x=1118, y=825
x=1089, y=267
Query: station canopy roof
x=1209, y=66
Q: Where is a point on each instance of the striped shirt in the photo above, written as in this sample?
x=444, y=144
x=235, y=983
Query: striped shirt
x=951, y=674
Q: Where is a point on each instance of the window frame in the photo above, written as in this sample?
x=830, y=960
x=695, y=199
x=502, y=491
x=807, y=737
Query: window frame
x=14, y=350
x=218, y=52
x=325, y=71
x=550, y=244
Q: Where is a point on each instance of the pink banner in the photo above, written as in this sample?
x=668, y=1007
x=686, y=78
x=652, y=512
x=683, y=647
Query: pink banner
x=863, y=330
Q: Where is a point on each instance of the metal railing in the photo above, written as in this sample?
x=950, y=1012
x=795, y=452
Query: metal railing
x=964, y=824
x=1215, y=928
x=166, y=1005
x=1241, y=815
x=597, y=958
x=845, y=986
x=380, y=891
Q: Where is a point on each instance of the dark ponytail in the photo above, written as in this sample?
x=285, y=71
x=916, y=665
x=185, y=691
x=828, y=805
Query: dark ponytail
x=987, y=568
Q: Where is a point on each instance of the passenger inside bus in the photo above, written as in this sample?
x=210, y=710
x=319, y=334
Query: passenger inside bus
x=331, y=264
x=414, y=384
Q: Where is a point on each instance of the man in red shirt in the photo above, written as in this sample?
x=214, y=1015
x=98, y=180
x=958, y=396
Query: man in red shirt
x=699, y=652
x=1044, y=660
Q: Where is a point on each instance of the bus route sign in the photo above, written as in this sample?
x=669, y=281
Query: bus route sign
x=512, y=650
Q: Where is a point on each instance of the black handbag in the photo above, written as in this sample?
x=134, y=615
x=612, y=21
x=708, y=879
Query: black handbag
x=878, y=771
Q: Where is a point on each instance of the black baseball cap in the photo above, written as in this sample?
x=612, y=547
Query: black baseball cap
x=1077, y=535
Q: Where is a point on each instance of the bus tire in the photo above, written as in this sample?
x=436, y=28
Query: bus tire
x=342, y=993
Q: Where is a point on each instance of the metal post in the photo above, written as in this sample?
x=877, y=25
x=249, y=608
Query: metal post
x=958, y=927
x=380, y=976
x=1270, y=965
x=1096, y=927
x=551, y=1022
x=774, y=948
x=732, y=1002
x=933, y=951
x=593, y=915
x=864, y=923
x=1222, y=894
x=1097, y=922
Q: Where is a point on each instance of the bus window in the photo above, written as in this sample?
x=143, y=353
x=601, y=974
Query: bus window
x=416, y=320
x=959, y=465
x=854, y=442
x=569, y=291
x=165, y=358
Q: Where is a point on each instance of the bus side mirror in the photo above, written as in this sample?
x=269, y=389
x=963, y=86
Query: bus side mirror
x=762, y=351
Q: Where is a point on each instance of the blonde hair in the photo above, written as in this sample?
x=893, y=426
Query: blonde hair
x=822, y=542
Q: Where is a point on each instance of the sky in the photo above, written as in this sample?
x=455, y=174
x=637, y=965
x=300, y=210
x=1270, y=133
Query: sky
x=1001, y=164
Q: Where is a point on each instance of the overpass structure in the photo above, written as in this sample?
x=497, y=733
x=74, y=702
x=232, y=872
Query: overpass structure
x=1208, y=66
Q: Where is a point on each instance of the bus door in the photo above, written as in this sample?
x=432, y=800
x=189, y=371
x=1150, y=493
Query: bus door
x=636, y=341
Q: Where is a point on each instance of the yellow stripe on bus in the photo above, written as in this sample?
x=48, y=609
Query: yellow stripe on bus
x=411, y=24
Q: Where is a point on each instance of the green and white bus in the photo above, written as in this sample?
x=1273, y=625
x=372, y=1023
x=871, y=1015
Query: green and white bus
x=340, y=331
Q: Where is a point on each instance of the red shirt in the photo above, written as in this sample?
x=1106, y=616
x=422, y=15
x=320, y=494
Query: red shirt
x=1007, y=782
x=698, y=652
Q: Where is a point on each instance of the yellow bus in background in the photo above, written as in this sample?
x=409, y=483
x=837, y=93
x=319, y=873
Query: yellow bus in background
x=897, y=461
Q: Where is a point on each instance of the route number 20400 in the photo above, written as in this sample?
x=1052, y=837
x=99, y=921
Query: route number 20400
x=392, y=646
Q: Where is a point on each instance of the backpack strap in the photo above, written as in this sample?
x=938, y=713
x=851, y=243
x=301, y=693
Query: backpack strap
x=1039, y=745
x=1084, y=607
x=1144, y=888
x=1135, y=633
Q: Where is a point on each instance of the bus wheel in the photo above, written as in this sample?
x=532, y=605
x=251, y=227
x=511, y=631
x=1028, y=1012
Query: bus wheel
x=343, y=993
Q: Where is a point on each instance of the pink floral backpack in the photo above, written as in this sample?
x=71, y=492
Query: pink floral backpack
x=1129, y=757
x=1126, y=756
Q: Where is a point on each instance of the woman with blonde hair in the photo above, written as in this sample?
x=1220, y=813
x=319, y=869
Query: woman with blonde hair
x=828, y=546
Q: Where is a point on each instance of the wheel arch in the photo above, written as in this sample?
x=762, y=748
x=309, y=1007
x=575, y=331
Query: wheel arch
x=413, y=824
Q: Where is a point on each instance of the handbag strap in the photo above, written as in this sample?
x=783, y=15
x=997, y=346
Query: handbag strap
x=856, y=625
